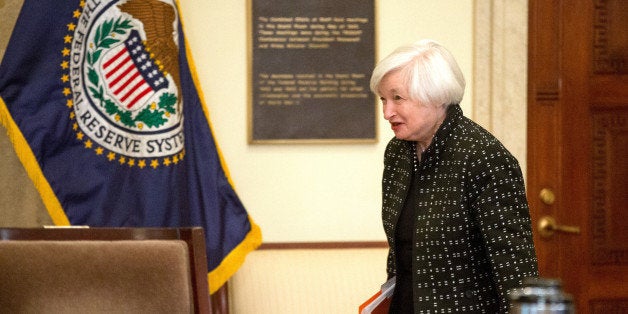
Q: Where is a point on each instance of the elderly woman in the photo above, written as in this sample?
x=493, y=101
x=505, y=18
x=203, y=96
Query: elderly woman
x=454, y=205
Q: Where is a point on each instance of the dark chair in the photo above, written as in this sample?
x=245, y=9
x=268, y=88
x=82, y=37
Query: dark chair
x=87, y=270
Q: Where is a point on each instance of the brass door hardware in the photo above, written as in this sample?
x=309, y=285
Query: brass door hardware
x=547, y=226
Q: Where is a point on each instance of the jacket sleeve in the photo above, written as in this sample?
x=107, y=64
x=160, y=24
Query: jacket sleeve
x=501, y=211
x=386, y=200
x=395, y=179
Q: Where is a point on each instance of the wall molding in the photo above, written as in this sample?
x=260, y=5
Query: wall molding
x=324, y=245
x=500, y=61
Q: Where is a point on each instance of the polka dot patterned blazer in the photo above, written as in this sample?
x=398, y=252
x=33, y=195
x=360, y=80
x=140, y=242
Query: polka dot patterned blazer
x=473, y=237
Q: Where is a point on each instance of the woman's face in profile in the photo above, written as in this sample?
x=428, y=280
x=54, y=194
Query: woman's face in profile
x=409, y=119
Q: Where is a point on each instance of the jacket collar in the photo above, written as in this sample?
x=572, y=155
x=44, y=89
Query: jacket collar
x=454, y=114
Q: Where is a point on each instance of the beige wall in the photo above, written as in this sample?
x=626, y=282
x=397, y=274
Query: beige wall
x=313, y=193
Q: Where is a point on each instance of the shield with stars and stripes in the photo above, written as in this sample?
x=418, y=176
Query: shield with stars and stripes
x=132, y=77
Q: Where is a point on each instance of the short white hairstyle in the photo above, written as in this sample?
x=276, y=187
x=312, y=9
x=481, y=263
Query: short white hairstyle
x=429, y=70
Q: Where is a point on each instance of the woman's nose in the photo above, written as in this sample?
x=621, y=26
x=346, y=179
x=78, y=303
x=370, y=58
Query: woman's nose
x=388, y=112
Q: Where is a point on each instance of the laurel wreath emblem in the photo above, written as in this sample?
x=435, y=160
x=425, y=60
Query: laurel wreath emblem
x=154, y=115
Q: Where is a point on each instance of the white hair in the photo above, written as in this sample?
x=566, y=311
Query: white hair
x=430, y=72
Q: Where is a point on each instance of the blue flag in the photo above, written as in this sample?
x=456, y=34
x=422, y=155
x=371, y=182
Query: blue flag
x=101, y=102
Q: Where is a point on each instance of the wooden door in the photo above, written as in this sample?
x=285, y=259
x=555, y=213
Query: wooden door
x=577, y=171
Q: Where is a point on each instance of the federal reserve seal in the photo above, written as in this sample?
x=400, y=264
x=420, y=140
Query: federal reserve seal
x=124, y=80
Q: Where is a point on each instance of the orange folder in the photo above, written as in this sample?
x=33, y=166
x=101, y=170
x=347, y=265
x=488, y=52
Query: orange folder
x=380, y=301
x=375, y=305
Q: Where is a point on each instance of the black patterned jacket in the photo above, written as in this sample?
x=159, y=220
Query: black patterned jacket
x=473, y=238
